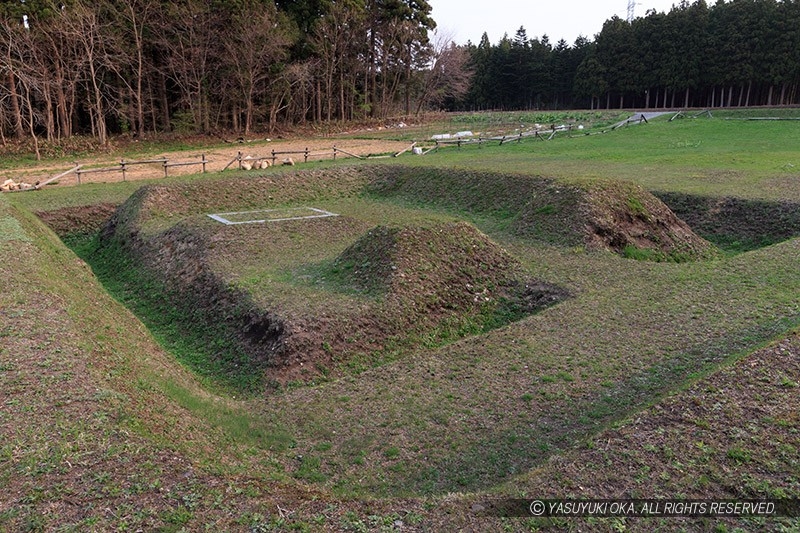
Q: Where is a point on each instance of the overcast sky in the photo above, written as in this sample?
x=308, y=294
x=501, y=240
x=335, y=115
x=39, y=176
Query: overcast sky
x=466, y=20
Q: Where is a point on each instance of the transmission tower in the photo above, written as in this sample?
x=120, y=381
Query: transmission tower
x=631, y=8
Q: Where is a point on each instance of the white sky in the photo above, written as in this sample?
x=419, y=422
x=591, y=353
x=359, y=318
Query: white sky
x=468, y=19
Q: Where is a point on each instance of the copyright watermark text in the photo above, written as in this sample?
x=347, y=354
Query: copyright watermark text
x=643, y=508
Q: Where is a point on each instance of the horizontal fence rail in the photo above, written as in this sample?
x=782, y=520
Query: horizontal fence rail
x=248, y=162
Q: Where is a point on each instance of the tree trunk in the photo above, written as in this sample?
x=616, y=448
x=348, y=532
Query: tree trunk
x=166, y=121
x=97, y=104
x=64, y=123
x=686, y=99
x=319, y=104
x=408, y=81
x=32, y=131
x=139, y=128
x=749, y=89
x=50, y=121
x=16, y=111
x=342, y=116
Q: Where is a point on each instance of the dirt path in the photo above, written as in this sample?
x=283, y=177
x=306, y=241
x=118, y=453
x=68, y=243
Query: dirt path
x=217, y=158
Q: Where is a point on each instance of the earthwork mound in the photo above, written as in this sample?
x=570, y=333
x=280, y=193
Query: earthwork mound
x=608, y=215
x=430, y=274
x=372, y=294
x=392, y=288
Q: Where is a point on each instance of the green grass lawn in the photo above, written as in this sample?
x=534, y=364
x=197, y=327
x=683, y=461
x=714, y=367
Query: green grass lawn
x=470, y=414
x=702, y=156
x=474, y=414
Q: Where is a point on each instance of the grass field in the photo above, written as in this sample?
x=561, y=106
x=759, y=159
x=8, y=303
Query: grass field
x=652, y=379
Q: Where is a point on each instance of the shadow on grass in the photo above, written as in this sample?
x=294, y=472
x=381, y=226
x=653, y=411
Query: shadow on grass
x=736, y=225
x=206, y=347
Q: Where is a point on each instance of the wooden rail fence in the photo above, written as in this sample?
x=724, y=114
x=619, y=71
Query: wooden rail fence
x=274, y=155
x=123, y=167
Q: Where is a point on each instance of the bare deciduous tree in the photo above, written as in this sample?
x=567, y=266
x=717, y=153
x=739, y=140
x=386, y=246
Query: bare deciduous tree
x=83, y=26
x=335, y=37
x=187, y=35
x=9, y=33
x=253, y=45
x=448, y=76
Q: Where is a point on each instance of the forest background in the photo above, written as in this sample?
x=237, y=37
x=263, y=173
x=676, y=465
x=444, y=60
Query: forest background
x=141, y=67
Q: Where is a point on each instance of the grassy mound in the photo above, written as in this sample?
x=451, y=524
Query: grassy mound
x=625, y=218
x=610, y=215
x=393, y=288
x=73, y=222
x=432, y=274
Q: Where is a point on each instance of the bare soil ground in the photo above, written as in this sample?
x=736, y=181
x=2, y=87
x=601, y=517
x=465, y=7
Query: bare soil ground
x=218, y=158
x=731, y=435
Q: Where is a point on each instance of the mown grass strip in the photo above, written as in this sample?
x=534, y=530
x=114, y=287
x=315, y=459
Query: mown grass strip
x=202, y=346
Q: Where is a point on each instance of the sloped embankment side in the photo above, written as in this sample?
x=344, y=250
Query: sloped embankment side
x=738, y=224
x=156, y=231
x=421, y=285
x=442, y=272
x=256, y=192
x=69, y=222
x=438, y=283
x=606, y=215
x=532, y=206
x=623, y=217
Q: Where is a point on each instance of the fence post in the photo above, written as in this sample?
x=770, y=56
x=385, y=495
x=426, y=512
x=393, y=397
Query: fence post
x=239, y=158
x=334, y=152
x=305, y=156
x=122, y=164
x=273, y=157
x=78, y=172
x=165, y=168
x=203, y=161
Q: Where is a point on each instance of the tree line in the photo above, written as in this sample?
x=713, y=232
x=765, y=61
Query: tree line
x=137, y=66
x=102, y=67
x=736, y=53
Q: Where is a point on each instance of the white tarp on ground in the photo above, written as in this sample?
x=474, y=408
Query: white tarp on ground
x=445, y=136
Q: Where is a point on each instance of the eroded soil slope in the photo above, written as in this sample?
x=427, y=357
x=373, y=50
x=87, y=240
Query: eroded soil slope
x=600, y=215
